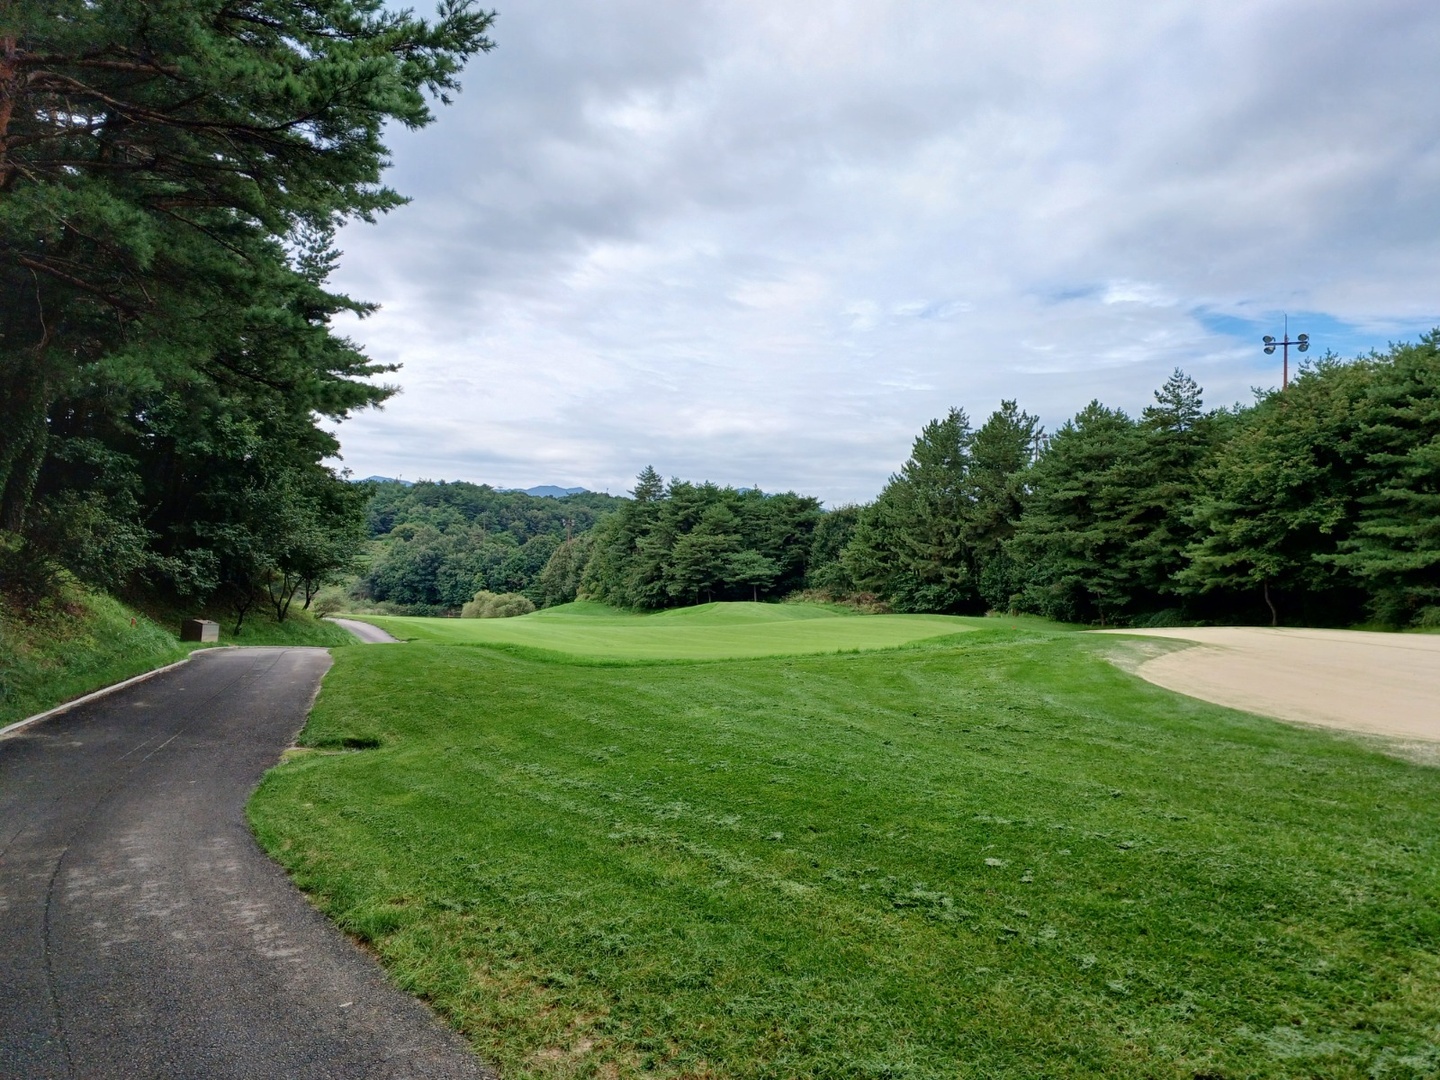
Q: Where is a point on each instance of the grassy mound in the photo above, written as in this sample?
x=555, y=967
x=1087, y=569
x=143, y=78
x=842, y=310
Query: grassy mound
x=1000, y=857
x=721, y=631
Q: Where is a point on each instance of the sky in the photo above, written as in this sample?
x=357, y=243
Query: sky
x=763, y=243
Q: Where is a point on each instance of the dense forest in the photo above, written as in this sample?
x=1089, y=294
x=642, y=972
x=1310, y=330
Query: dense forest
x=684, y=543
x=172, y=176
x=434, y=545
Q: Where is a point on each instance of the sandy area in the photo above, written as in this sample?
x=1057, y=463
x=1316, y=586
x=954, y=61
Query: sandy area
x=1382, y=684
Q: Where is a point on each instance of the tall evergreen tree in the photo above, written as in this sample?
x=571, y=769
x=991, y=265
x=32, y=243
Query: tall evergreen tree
x=1394, y=549
x=1176, y=440
x=913, y=544
x=1003, y=449
x=171, y=174
x=684, y=542
x=1072, y=543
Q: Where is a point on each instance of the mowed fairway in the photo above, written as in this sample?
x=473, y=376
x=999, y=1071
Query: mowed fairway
x=996, y=856
x=707, y=632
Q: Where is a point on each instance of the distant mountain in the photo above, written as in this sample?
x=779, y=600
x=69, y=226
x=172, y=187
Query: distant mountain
x=386, y=480
x=543, y=491
x=550, y=491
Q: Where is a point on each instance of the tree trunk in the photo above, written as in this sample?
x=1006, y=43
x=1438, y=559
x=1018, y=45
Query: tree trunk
x=9, y=89
x=242, y=605
x=1265, y=590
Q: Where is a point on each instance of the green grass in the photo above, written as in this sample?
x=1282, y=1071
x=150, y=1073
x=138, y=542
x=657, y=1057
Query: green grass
x=299, y=628
x=1001, y=856
x=707, y=632
x=87, y=641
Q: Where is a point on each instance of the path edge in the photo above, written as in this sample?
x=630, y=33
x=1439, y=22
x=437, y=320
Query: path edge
x=10, y=729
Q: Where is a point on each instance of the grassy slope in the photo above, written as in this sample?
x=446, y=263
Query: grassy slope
x=707, y=632
x=90, y=642
x=1000, y=857
x=62, y=655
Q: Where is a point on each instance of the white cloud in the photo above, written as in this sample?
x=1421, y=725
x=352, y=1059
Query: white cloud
x=765, y=242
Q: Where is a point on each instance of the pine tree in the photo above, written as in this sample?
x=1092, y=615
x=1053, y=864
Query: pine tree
x=1071, y=544
x=1162, y=479
x=911, y=545
x=171, y=174
x=1002, y=450
x=1394, y=550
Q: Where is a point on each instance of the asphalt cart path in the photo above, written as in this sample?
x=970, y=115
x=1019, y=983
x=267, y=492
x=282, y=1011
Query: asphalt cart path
x=366, y=632
x=143, y=933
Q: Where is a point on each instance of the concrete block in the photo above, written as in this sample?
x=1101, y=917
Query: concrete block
x=199, y=630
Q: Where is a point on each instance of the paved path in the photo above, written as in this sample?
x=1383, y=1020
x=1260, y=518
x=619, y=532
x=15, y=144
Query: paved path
x=142, y=931
x=1384, y=684
x=369, y=634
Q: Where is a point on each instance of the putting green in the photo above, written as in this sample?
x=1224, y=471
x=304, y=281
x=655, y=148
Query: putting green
x=707, y=632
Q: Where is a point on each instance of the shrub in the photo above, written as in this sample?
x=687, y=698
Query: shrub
x=866, y=603
x=489, y=605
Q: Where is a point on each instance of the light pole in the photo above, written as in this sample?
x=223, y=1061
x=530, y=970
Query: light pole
x=1301, y=343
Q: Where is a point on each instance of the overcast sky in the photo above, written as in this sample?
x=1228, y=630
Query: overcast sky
x=762, y=243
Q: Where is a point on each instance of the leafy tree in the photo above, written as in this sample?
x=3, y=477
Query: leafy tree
x=489, y=605
x=471, y=536
x=1279, y=499
x=825, y=567
x=752, y=569
x=559, y=580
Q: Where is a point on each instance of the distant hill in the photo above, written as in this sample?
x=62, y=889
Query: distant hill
x=550, y=491
x=542, y=491
x=386, y=480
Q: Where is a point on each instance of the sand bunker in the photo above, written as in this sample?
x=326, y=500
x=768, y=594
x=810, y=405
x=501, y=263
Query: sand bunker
x=1383, y=684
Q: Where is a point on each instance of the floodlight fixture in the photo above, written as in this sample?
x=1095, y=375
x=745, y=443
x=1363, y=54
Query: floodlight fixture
x=1301, y=343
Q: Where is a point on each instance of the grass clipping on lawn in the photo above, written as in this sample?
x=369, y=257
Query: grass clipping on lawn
x=996, y=857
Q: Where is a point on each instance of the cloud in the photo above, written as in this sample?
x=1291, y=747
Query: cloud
x=764, y=243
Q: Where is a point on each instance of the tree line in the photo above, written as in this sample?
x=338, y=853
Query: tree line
x=1319, y=503
x=172, y=177
x=685, y=543
x=433, y=546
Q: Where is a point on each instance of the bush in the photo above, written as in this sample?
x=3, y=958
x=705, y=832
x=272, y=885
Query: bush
x=489, y=605
x=28, y=576
x=866, y=603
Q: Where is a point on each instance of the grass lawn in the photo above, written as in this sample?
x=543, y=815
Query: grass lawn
x=708, y=632
x=996, y=856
